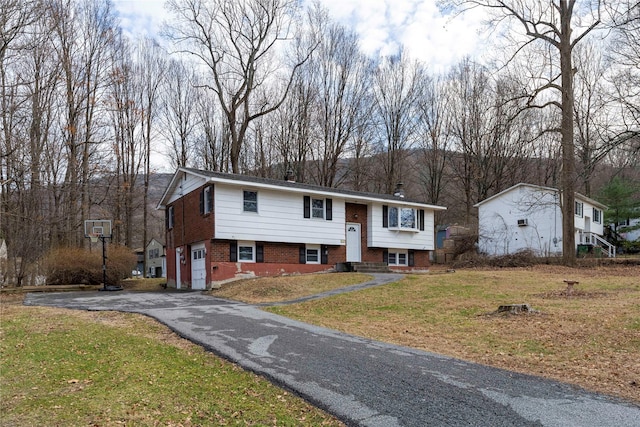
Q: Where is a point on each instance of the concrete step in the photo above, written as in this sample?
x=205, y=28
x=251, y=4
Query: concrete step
x=370, y=267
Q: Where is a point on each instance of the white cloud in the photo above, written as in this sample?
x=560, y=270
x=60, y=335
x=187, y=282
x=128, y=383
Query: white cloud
x=382, y=25
x=141, y=17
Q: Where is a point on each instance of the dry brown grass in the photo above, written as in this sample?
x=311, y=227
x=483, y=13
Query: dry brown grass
x=591, y=338
x=271, y=289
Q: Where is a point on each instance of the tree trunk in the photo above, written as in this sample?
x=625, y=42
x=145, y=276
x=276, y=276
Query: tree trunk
x=568, y=146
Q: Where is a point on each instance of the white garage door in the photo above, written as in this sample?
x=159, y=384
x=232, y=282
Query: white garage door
x=198, y=267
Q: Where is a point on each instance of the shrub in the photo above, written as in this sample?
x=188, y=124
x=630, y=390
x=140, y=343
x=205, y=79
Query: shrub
x=79, y=266
x=524, y=258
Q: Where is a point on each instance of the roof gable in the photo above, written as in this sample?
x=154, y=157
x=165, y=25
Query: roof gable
x=578, y=196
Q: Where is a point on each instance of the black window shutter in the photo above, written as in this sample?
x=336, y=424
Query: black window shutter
x=233, y=251
x=166, y=217
x=303, y=255
x=385, y=256
x=329, y=208
x=259, y=252
x=324, y=254
x=307, y=207
x=385, y=216
x=202, y=200
x=412, y=258
x=210, y=201
x=421, y=219
x=172, y=216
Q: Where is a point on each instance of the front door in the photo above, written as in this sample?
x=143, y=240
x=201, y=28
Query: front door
x=198, y=267
x=353, y=242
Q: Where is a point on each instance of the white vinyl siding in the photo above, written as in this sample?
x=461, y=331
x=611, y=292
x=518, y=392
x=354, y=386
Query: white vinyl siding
x=280, y=218
x=185, y=186
x=381, y=237
x=499, y=233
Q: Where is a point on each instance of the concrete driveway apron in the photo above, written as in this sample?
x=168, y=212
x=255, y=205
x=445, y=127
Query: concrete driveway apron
x=363, y=382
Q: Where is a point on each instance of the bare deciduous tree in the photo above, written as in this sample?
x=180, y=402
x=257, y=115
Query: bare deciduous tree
x=558, y=27
x=237, y=42
x=397, y=88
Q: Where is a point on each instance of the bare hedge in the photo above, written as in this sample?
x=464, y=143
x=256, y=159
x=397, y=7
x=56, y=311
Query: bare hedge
x=65, y=266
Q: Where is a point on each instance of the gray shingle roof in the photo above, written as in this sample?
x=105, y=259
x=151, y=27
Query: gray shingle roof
x=298, y=185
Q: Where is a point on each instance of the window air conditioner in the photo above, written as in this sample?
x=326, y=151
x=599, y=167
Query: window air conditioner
x=522, y=222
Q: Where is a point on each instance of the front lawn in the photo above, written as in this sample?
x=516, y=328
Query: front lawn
x=70, y=368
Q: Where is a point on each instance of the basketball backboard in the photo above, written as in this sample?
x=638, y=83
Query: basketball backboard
x=97, y=228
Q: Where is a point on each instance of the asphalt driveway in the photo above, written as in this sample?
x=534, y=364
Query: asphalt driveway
x=361, y=381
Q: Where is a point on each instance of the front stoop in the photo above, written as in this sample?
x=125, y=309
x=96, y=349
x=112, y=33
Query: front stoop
x=369, y=267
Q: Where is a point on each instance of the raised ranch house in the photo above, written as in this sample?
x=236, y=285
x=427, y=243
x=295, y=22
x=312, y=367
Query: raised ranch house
x=221, y=226
x=528, y=217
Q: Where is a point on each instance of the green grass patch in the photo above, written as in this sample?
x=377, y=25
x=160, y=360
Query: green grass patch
x=63, y=367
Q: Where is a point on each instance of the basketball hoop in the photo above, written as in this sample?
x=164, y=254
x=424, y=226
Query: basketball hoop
x=94, y=237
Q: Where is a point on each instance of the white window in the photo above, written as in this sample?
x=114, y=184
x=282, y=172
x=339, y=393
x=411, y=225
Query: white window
x=246, y=251
x=393, y=217
x=402, y=218
x=250, y=201
x=208, y=199
x=397, y=258
x=313, y=254
x=579, y=209
x=597, y=215
x=170, y=217
x=198, y=254
x=317, y=208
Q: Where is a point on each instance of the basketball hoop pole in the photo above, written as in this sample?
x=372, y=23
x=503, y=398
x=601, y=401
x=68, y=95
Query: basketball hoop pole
x=104, y=262
x=101, y=229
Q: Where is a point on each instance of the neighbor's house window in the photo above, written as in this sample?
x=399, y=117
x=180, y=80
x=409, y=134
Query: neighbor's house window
x=397, y=258
x=250, y=201
x=579, y=209
x=313, y=254
x=402, y=218
x=597, y=215
x=246, y=252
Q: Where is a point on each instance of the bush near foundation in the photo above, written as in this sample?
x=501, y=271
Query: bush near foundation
x=71, y=266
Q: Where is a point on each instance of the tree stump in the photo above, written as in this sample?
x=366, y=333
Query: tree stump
x=515, y=308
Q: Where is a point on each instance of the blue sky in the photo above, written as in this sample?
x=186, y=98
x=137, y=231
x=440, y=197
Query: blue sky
x=383, y=25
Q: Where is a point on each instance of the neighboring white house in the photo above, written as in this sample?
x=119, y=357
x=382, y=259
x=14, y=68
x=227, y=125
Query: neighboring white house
x=155, y=259
x=634, y=233
x=528, y=216
x=220, y=226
